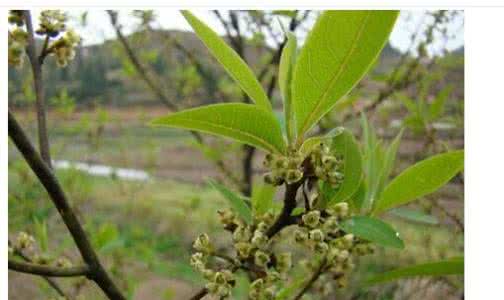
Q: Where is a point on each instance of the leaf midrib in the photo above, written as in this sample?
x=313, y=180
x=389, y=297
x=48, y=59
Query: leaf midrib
x=253, y=137
x=337, y=75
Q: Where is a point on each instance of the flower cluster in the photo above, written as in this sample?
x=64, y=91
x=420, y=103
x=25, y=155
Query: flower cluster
x=52, y=22
x=326, y=166
x=320, y=232
x=18, y=38
x=64, y=47
x=25, y=243
x=220, y=282
x=283, y=168
x=253, y=252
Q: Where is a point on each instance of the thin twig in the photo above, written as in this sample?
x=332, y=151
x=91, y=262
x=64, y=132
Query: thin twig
x=36, y=67
x=36, y=269
x=97, y=273
x=315, y=276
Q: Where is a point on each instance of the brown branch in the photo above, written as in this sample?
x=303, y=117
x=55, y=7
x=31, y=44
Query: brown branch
x=200, y=294
x=42, y=270
x=36, y=67
x=97, y=273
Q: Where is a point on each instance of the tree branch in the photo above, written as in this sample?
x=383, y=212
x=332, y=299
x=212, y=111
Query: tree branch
x=97, y=273
x=49, y=280
x=42, y=270
x=36, y=67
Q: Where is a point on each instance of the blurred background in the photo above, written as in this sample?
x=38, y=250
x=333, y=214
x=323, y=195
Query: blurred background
x=142, y=192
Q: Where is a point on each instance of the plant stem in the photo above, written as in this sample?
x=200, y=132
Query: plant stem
x=315, y=276
x=36, y=67
x=96, y=273
x=36, y=269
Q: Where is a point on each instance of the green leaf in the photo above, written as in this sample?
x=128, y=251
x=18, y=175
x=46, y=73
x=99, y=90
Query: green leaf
x=262, y=197
x=414, y=215
x=373, y=230
x=106, y=235
x=454, y=266
x=420, y=179
x=287, y=62
x=245, y=123
x=309, y=144
x=297, y=211
x=230, y=60
x=389, y=160
x=40, y=232
x=337, y=53
x=346, y=145
x=436, y=109
x=237, y=203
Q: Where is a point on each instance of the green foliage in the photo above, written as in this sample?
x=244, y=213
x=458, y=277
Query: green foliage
x=378, y=162
x=230, y=60
x=40, y=233
x=106, y=236
x=243, y=122
x=373, y=230
x=345, y=144
x=421, y=179
x=63, y=102
x=287, y=63
x=334, y=59
x=414, y=216
x=236, y=202
x=454, y=266
x=262, y=197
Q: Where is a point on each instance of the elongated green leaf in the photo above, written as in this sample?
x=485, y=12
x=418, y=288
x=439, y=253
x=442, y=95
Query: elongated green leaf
x=337, y=53
x=287, y=62
x=230, y=60
x=245, y=123
x=262, y=197
x=436, y=109
x=420, y=179
x=235, y=201
x=373, y=230
x=389, y=160
x=454, y=266
x=414, y=215
x=346, y=145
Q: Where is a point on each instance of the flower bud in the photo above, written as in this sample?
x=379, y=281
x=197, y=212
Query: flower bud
x=273, y=276
x=259, y=239
x=316, y=235
x=321, y=247
x=284, y=262
x=223, y=290
x=257, y=284
x=312, y=218
x=269, y=293
x=24, y=241
x=261, y=259
x=243, y=249
x=293, y=175
x=331, y=224
x=212, y=287
x=219, y=278
x=300, y=236
x=341, y=209
x=202, y=243
x=241, y=234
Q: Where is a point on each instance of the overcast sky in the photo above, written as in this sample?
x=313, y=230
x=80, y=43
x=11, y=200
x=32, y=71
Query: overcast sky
x=98, y=26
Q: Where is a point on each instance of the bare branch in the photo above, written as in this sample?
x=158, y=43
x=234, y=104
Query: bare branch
x=97, y=273
x=36, y=269
x=36, y=67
